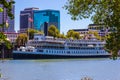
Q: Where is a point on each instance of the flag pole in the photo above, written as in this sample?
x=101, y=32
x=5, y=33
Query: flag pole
x=28, y=33
x=30, y=21
x=28, y=28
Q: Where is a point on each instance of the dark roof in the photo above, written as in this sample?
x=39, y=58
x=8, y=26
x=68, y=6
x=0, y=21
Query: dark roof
x=48, y=10
x=31, y=8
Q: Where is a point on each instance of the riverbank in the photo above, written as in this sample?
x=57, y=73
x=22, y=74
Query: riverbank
x=6, y=59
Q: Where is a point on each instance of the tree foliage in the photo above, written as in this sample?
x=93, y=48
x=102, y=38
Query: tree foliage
x=30, y=33
x=21, y=39
x=113, y=44
x=3, y=39
x=1, y=10
x=53, y=31
x=95, y=33
x=8, y=6
x=105, y=12
x=100, y=10
x=72, y=34
x=62, y=36
x=76, y=35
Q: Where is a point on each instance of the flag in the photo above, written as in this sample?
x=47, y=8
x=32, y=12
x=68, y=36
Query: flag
x=30, y=19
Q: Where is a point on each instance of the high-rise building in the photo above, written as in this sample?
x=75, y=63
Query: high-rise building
x=44, y=18
x=4, y=18
x=26, y=18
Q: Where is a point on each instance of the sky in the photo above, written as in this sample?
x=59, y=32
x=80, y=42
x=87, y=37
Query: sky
x=65, y=19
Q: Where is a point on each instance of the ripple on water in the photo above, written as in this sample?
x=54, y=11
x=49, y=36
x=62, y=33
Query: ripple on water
x=61, y=69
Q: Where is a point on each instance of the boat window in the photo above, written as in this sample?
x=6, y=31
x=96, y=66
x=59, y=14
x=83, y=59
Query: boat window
x=40, y=50
x=68, y=51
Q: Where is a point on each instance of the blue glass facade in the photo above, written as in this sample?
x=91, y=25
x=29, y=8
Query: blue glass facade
x=52, y=17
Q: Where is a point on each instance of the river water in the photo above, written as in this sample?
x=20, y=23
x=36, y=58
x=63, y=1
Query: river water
x=60, y=69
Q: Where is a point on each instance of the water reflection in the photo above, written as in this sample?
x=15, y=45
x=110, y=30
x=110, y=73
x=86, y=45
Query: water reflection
x=61, y=69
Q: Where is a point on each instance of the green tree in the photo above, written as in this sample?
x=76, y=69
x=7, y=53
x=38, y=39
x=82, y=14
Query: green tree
x=95, y=33
x=70, y=34
x=53, y=31
x=105, y=12
x=0, y=75
x=73, y=34
x=62, y=36
x=21, y=39
x=31, y=32
x=5, y=46
x=76, y=35
x=113, y=44
x=8, y=6
x=1, y=10
x=3, y=39
x=39, y=32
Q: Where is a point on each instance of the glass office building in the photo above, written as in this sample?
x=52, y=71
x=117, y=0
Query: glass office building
x=25, y=17
x=51, y=17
